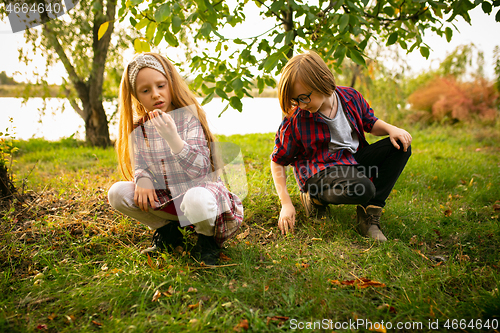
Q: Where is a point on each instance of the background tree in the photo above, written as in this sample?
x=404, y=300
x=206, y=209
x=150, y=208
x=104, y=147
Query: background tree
x=93, y=62
x=335, y=29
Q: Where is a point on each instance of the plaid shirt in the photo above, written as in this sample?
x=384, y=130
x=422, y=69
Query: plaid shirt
x=174, y=174
x=303, y=139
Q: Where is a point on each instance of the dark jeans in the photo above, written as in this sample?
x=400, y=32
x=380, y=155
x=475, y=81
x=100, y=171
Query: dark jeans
x=351, y=184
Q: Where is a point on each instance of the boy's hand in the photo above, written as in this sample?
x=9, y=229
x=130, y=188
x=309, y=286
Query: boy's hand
x=286, y=221
x=403, y=136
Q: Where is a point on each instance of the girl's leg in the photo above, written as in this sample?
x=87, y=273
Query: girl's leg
x=199, y=205
x=384, y=163
x=121, y=198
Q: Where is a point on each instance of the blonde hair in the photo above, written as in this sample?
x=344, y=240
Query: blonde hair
x=311, y=71
x=131, y=109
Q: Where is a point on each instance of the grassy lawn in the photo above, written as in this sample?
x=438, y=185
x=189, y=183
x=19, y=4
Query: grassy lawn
x=68, y=262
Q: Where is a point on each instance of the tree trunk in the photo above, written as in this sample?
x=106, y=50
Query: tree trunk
x=96, y=126
x=6, y=186
x=90, y=91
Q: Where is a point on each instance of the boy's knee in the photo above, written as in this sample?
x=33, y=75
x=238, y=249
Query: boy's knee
x=364, y=190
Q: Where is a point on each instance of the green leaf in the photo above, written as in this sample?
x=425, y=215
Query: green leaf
x=392, y=38
x=137, y=45
x=145, y=46
x=221, y=93
x=278, y=38
x=171, y=39
x=344, y=21
x=497, y=16
x=150, y=31
x=424, y=51
x=236, y=103
x=162, y=13
x=237, y=84
x=388, y=10
x=223, y=110
x=271, y=62
x=206, y=28
x=158, y=38
x=340, y=53
x=261, y=84
x=449, y=33
x=356, y=57
x=289, y=37
x=176, y=24
x=102, y=30
x=486, y=7
x=142, y=23
x=208, y=99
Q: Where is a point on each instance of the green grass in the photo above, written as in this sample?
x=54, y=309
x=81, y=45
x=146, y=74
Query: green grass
x=68, y=262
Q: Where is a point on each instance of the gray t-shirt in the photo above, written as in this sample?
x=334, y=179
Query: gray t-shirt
x=341, y=131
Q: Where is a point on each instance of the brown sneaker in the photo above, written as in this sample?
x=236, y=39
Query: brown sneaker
x=369, y=222
x=311, y=205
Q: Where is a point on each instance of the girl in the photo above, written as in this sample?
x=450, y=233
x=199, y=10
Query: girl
x=165, y=152
x=322, y=136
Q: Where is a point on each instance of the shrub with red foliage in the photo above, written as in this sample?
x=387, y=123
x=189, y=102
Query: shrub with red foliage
x=459, y=100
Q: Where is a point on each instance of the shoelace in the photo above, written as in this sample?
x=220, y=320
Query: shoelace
x=374, y=219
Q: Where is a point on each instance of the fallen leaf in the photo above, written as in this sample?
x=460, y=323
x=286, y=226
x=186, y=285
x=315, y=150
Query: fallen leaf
x=192, y=290
x=358, y=283
x=41, y=327
x=335, y=282
x=242, y=325
x=266, y=288
x=243, y=235
x=193, y=306
x=223, y=257
x=447, y=212
x=52, y=316
x=386, y=306
x=280, y=319
x=170, y=291
x=377, y=327
x=96, y=323
x=421, y=254
x=150, y=262
x=496, y=207
x=156, y=295
x=413, y=240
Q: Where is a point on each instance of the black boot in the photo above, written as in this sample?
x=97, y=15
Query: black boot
x=167, y=238
x=207, y=250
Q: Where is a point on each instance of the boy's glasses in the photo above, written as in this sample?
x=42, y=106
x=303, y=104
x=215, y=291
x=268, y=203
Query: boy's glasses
x=302, y=98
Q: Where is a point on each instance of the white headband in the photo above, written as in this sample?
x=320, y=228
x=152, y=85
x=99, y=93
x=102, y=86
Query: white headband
x=139, y=62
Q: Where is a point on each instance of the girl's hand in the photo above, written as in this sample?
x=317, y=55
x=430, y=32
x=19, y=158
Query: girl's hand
x=164, y=124
x=403, y=136
x=144, y=192
x=286, y=221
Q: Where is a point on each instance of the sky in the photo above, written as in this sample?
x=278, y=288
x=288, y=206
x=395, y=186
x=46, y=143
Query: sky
x=484, y=32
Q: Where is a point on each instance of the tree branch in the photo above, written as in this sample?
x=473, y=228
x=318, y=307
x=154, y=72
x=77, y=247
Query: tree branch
x=275, y=14
x=54, y=42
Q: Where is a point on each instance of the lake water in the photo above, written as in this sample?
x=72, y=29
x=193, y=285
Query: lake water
x=260, y=115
